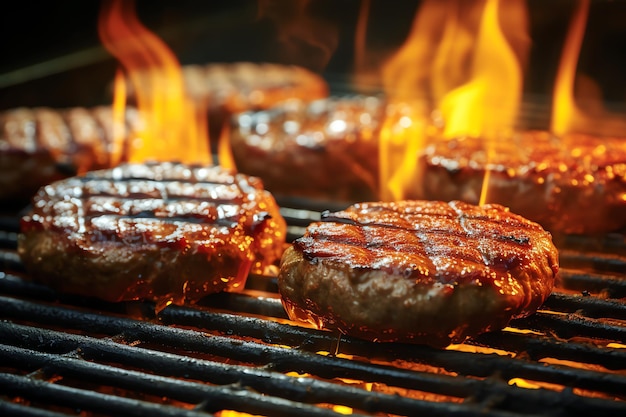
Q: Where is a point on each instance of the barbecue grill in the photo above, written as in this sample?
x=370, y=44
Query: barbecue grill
x=238, y=352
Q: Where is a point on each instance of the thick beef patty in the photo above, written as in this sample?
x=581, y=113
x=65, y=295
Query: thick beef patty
x=574, y=184
x=325, y=149
x=418, y=271
x=166, y=232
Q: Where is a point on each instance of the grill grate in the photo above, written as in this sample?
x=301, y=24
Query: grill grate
x=67, y=355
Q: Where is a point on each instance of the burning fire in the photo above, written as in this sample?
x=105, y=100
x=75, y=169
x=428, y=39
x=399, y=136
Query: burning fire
x=460, y=73
x=174, y=127
x=568, y=116
x=473, y=82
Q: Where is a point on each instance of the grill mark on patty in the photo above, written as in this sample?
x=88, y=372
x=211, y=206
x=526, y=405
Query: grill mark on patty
x=152, y=189
x=432, y=237
x=165, y=190
x=507, y=228
x=121, y=196
x=211, y=213
x=89, y=179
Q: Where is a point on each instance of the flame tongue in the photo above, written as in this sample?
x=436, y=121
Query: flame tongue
x=578, y=104
x=487, y=104
x=459, y=61
x=564, y=112
x=172, y=128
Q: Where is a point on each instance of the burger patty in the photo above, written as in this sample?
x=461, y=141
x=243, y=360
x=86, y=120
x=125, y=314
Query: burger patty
x=242, y=86
x=41, y=145
x=229, y=88
x=167, y=232
x=325, y=149
x=424, y=272
x=574, y=184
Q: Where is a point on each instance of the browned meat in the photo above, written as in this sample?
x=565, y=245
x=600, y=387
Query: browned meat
x=418, y=271
x=326, y=149
x=229, y=88
x=41, y=145
x=243, y=86
x=574, y=185
x=166, y=232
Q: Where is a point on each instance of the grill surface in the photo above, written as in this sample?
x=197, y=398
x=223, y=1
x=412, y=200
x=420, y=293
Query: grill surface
x=67, y=355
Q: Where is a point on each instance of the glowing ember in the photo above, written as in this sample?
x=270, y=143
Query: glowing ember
x=523, y=383
x=479, y=349
x=232, y=413
x=171, y=130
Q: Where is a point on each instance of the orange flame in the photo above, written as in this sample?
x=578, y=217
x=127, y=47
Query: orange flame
x=564, y=111
x=459, y=62
x=487, y=104
x=119, y=110
x=170, y=130
x=578, y=104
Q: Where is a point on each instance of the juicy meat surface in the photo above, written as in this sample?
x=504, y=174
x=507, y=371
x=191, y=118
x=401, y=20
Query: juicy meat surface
x=242, y=86
x=41, y=145
x=228, y=88
x=574, y=184
x=164, y=231
x=418, y=271
x=332, y=145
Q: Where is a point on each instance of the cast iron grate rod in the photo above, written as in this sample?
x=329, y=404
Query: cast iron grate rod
x=301, y=389
x=587, y=305
x=9, y=408
x=257, y=379
x=43, y=391
x=295, y=360
x=538, y=347
x=587, y=282
x=232, y=396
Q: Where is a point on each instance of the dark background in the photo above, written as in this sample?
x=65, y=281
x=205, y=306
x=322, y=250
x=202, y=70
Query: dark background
x=51, y=54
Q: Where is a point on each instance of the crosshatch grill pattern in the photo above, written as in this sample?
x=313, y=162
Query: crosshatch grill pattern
x=67, y=355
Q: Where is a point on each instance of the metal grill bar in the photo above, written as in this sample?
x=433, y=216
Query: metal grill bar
x=234, y=396
x=20, y=410
x=613, y=286
x=288, y=360
x=589, y=306
x=301, y=389
x=307, y=390
x=44, y=391
x=572, y=326
x=539, y=347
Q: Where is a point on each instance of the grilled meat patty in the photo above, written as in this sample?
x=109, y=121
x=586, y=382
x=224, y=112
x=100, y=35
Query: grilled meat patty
x=242, y=86
x=325, y=149
x=425, y=272
x=41, y=145
x=165, y=231
x=574, y=184
x=228, y=88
